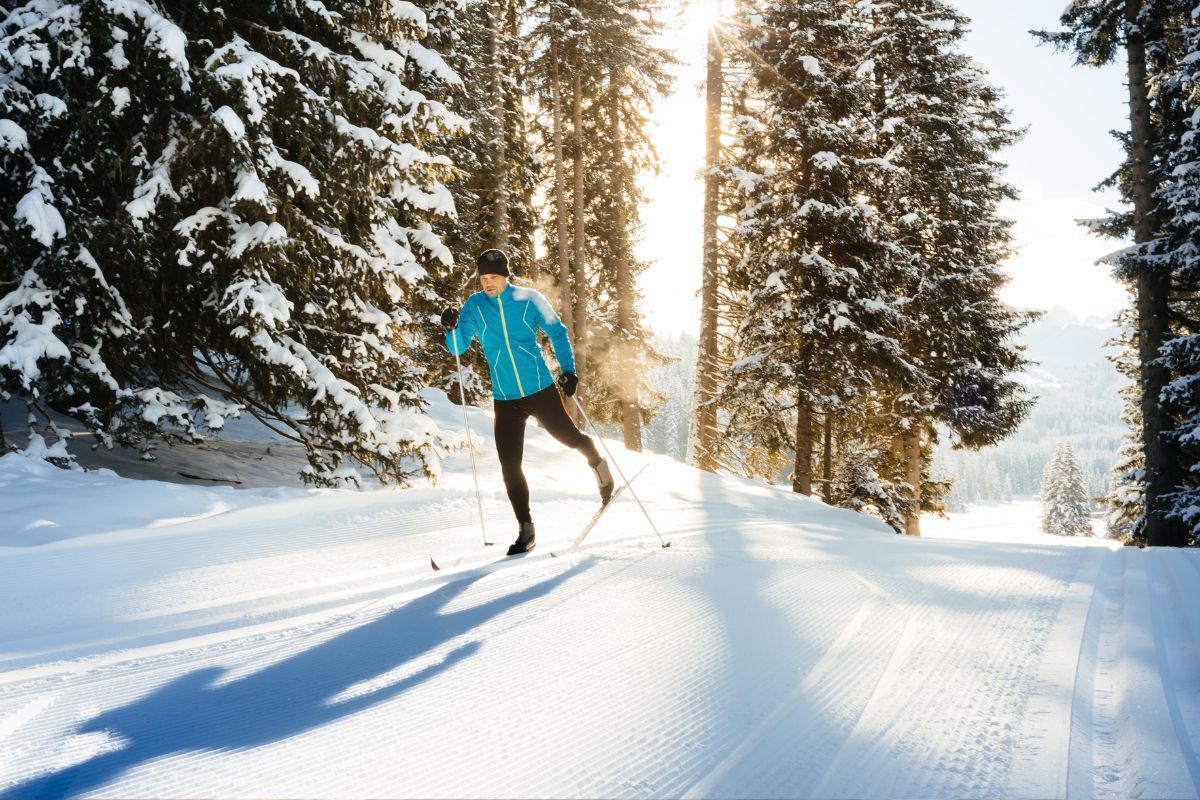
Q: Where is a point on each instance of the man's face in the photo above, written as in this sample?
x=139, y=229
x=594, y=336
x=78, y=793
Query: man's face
x=493, y=285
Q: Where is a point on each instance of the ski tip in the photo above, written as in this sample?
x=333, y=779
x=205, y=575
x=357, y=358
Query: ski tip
x=433, y=564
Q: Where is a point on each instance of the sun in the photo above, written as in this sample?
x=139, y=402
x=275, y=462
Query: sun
x=704, y=15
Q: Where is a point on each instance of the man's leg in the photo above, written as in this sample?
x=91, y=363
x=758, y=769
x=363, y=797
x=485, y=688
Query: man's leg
x=510, y=446
x=550, y=409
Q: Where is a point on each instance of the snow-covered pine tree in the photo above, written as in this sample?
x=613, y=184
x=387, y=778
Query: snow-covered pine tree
x=1139, y=32
x=1125, y=501
x=217, y=207
x=497, y=171
x=616, y=74
x=487, y=53
x=939, y=127
x=857, y=485
x=1177, y=96
x=1065, y=503
x=637, y=78
x=816, y=265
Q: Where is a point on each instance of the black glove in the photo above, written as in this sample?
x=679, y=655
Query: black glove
x=450, y=319
x=568, y=383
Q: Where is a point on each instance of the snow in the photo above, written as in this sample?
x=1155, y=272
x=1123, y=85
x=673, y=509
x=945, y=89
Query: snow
x=12, y=136
x=120, y=99
x=826, y=160
x=260, y=233
x=161, y=34
x=255, y=298
x=152, y=187
x=36, y=209
x=167, y=640
x=407, y=12
x=31, y=341
x=232, y=122
x=251, y=188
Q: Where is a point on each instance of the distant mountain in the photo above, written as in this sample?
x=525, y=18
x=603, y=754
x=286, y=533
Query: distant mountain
x=1061, y=343
x=1078, y=401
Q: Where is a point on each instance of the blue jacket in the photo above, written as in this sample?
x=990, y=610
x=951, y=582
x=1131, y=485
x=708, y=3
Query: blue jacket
x=507, y=327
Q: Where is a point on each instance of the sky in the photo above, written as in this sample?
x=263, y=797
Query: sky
x=1066, y=151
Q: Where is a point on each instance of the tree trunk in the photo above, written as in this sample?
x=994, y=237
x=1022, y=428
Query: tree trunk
x=802, y=469
x=1152, y=289
x=624, y=352
x=580, y=274
x=912, y=474
x=827, y=460
x=517, y=129
x=705, y=455
x=565, y=300
x=499, y=130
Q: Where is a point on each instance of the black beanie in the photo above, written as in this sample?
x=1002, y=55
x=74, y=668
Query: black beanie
x=492, y=262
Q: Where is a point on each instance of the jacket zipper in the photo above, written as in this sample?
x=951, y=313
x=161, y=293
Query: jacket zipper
x=511, y=357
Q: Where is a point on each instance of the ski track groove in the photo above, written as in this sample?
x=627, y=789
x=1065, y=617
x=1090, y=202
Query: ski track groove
x=182, y=604
x=897, y=739
x=1082, y=766
x=568, y=687
x=1179, y=654
x=1042, y=758
x=1113, y=743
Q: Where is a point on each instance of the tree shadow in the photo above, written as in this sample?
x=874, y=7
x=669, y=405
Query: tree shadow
x=287, y=698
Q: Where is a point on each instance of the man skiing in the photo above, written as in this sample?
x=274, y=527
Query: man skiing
x=506, y=318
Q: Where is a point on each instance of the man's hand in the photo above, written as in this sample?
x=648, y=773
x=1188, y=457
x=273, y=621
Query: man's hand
x=568, y=383
x=450, y=319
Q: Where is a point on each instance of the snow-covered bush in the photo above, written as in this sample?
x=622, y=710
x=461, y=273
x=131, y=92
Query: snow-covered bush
x=857, y=485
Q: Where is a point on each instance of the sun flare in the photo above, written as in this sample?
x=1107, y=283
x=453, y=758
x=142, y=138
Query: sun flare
x=707, y=14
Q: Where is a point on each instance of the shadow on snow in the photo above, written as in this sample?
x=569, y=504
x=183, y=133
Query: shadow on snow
x=287, y=698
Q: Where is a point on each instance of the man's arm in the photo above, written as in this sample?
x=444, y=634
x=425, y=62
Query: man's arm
x=458, y=339
x=554, y=328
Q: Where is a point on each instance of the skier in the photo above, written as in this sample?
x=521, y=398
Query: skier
x=506, y=318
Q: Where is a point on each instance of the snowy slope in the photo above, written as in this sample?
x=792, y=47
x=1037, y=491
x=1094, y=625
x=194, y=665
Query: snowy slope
x=180, y=641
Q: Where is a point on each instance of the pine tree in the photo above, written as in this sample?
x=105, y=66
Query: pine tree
x=939, y=126
x=497, y=169
x=1177, y=93
x=816, y=263
x=1099, y=32
x=211, y=208
x=704, y=447
x=1125, y=499
x=1065, y=504
x=857, y=485
x=596, y=128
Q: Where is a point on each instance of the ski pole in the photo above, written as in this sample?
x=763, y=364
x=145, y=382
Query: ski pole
x=462, y=396
x=613, y=461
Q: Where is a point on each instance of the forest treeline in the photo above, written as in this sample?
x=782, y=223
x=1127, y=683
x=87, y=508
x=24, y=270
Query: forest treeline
x=215, y=208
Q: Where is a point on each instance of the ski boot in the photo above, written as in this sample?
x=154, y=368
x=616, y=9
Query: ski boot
x=526, y=540
x=604, y=480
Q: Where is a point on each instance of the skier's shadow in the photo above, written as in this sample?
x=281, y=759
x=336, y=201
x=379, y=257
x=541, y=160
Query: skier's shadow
x=286, y=698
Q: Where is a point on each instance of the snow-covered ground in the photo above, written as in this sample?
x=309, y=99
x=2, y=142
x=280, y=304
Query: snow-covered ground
x=162, y=640
x=1019, y=522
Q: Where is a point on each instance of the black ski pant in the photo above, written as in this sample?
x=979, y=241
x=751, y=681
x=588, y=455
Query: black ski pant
x=550, y=410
